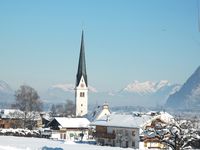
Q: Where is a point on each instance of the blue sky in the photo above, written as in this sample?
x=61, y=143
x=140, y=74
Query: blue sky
x=124, y=41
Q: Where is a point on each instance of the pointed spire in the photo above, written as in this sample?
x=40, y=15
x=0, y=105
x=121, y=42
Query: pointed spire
x=82, y=63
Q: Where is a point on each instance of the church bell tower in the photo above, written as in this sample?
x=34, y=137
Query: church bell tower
x=81, y=89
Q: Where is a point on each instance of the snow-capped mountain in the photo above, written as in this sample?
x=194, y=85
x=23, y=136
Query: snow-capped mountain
x=69, y=87
x=189, y=94
x=64, y=87
x=147, y=87
x=146, y=93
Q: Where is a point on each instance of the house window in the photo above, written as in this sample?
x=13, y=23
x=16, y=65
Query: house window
x=113, y=142
x=133, y=133
x=82, y=94
x=126, y=132
x=62, y=136
x=133, y=143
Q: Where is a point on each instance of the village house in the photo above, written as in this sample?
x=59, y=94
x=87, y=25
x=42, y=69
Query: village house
x=159, y=120
x=13, y=118
x=9, y=118
x=45, y=119
x=69, y=128
x=99, y=112
x=122, y=130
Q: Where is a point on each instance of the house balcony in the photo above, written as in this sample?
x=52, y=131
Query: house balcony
x=104, y=135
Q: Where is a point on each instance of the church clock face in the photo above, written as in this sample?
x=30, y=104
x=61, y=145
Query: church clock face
x=82, y=85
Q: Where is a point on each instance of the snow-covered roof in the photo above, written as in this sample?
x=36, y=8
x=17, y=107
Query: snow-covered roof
x=96, y=112
x=73, y=122
x=10, y=113
x=46, y=116
x=164, y=116
x=18, y=114
x=99, y=110
x=131, y=121
x=122, y=120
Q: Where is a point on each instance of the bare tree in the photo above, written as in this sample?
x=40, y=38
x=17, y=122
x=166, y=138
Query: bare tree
x=53, y=110
x=69, y=108
x=27, y=100
x=57, y=110
x=63, y=110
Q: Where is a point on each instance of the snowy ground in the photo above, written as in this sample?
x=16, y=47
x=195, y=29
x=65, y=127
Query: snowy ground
x=24, y=143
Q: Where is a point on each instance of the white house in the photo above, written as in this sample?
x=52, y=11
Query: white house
x=122, y=130
x=99, y=112
x=69, y=128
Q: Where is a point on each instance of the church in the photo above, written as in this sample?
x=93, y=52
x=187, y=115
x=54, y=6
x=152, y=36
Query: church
x=81, y=89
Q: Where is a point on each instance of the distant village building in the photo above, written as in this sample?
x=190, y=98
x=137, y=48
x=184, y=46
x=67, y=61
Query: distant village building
x=8, y=119
x=45, y=119
x=122, y=130
x=81, y=89
x=99, y=112
x=159, y=120
x=69, y=128
x=14, y=118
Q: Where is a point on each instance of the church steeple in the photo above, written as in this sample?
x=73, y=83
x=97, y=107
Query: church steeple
x=81, y=89
x=82, y=64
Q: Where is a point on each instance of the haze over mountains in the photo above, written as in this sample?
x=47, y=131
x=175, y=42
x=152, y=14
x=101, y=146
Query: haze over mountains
x=6, y=92
x=147, y=94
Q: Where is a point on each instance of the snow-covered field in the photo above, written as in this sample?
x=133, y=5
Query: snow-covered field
x=24, y=143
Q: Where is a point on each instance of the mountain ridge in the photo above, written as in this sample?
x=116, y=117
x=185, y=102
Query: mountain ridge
x=146, y=93
x=135, y=93
x=188, y=95
x=146, y=86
